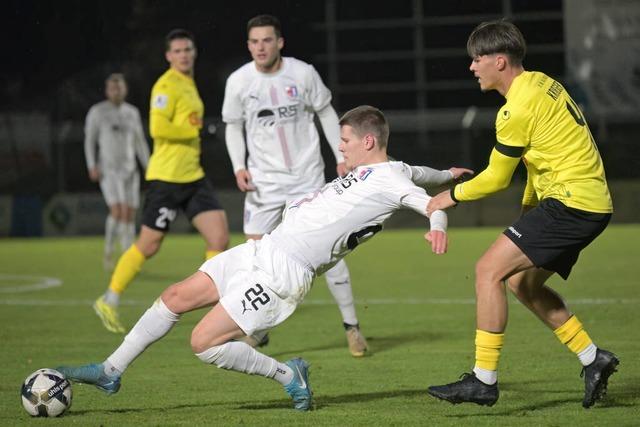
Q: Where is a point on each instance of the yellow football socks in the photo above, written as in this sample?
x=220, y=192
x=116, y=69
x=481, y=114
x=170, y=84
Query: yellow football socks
x=128, y=266
x=210, y=254
x=488, y=346
x=572, y=334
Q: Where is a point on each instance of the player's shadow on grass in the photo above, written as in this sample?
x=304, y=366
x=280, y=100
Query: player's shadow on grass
x=616, y=398
x=380, y=344
x=377, y=344
x=324, y=401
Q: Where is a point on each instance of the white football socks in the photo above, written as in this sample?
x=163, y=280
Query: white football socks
x=111, y=298
x=155, y=323
x=110, y=230
x=588, y=355
x=127, y=234
x=486, y=376
x=339, y=284
x=241, y=357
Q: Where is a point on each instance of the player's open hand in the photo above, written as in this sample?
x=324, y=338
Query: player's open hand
x=459, y=173
x=438, y=240
x=243, y=180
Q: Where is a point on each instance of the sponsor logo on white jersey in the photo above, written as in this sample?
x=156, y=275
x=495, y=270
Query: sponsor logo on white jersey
x=364, y=173
x=292, y=92
x=268, y=117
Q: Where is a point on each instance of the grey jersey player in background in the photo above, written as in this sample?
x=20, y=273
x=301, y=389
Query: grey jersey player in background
x=113, y=139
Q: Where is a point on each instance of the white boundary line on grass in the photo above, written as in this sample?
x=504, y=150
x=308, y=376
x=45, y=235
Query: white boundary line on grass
x=322, y=302
x=33, y=283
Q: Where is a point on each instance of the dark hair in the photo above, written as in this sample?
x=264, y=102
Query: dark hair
x=178, y=33
x=367, y=119
x=115, y=77
x=497, y=37
x=265, y=21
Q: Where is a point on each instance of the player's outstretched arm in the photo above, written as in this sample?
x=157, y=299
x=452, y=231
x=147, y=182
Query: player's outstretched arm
x=440, y=202
x=426, y=177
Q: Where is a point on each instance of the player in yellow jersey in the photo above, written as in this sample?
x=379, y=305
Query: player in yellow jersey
x=566, y=205
x=175, y=177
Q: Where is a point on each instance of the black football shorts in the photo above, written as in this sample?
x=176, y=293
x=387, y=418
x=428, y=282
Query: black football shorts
x=552, y=235
x=163, y=199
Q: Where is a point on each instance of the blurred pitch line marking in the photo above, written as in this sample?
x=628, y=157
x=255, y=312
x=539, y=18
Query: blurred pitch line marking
x=322, y=302
x=32, y=283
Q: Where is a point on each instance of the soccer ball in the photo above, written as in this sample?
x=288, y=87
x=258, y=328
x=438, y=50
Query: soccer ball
x=46, y=393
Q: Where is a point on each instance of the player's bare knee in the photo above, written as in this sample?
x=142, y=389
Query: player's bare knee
x=198, y=345
x=485, y=274
x=122, y=212
x=171, y=298
x=114, y=211
x=200, y=342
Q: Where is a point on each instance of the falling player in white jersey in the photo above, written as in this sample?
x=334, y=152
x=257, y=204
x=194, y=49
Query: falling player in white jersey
x=275, y=99
x=113, y=128
x=257, y=285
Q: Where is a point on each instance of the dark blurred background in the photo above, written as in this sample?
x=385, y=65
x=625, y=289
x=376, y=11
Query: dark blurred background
x=406, y=57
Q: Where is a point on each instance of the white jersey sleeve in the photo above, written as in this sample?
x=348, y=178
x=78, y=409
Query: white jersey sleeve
x=331, y=127
x=234, y=140
x=232, y=108
x=317, y=95
x=91, y=137
x=425, y=176
x=322, y=227
x=140, y=141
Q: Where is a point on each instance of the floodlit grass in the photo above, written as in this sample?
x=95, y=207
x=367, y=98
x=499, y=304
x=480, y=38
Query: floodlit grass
x=416, y=308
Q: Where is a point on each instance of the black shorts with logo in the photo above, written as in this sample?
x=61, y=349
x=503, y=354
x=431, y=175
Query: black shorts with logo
x=552, y=235
x=163, y=199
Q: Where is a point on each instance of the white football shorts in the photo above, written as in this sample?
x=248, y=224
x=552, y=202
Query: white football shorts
x=120, y=187
x=259, y=285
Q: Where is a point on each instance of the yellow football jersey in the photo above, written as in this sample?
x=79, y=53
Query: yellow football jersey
x=541, y=124
x=175, y=120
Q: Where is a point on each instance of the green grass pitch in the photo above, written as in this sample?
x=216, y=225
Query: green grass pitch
x=416, y=308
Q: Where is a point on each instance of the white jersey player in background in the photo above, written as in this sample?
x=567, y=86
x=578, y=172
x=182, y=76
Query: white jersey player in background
x=113, y=128
x=257, y=285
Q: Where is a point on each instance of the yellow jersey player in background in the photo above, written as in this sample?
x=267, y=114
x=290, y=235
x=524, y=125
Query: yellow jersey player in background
x=175, y=177
x=566, y=205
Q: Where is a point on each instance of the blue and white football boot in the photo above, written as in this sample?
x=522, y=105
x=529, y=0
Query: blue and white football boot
x=91, y=374
x=299, y=388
